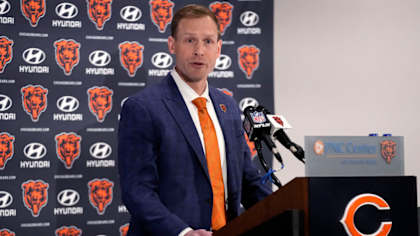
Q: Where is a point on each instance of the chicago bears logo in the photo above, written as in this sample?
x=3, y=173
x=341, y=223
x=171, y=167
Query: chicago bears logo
x=35, y=195
x=124, y=229
x=249, y=59
x=68, y=148
x=6, y=232
x=100, y=194
x=223, y=107
x=161, y=13
x=223, y=12
x=34, y=100
x=99, y=12
x=67, y=54
x=6, y=52
x=131, y=56
x=348, y=219
x=388, y=150
x=6, y=148
x=68, y=231
x=100, y=102
x=33, y=10
x=278, y=120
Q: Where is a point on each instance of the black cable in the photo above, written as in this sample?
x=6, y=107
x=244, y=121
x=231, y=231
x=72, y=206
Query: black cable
x=264, y=164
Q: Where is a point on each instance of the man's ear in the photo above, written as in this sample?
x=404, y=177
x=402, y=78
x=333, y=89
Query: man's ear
x=219, y=47
x=171, y=44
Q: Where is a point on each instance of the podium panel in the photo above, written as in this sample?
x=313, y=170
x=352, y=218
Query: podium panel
x=375, y=201
x=354, y=206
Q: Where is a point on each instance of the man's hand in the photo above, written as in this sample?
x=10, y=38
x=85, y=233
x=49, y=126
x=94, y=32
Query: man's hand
x=199, y=232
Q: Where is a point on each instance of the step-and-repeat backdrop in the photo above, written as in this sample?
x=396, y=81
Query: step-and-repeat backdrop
x=66, y=67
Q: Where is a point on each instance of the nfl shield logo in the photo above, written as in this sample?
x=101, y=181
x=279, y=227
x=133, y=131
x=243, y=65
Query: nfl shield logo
x=258, y=117
x=388, y=150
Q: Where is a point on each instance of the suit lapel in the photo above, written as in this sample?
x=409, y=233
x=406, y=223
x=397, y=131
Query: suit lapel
x=176, y=106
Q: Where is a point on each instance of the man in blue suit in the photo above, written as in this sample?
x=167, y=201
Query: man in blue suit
x=163, y=168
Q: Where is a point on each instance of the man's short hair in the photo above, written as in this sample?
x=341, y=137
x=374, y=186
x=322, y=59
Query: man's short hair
x=193, y=11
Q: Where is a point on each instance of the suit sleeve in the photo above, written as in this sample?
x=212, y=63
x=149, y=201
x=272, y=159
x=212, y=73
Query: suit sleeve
x=138, y=143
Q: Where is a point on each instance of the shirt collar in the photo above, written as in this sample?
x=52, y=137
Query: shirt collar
x=186, y=91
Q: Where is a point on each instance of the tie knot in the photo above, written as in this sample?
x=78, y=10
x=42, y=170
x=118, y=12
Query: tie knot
x=200, y=103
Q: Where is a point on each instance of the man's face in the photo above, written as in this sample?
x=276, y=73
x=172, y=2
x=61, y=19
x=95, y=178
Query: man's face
x=196, y=48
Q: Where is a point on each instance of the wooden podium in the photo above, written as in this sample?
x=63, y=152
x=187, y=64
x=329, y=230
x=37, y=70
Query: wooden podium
x=333, y=206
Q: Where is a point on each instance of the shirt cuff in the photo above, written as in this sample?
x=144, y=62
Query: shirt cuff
x=185, y=231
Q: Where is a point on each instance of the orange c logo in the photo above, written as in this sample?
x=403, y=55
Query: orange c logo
x=355, y=204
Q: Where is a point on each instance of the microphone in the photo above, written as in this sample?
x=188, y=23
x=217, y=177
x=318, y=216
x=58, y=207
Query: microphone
x=258, y=127
x=255, y=123
x=297, y=150
x=278, y=124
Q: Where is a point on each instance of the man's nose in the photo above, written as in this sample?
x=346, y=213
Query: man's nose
x=199, y=49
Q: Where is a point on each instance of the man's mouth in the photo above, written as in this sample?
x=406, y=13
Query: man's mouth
x=196, y=63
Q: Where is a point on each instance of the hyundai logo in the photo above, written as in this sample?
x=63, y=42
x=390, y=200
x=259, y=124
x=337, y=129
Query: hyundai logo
x=35, y=151
x=6, y=199
x=67, y=104
x=5, y=102
x=249, y=18
x=66, y=10
x=130, y=13
x=100, y=150
x=223, y=62
x=99, y=58
x=33, y=56
x=246, y=102
x=162, y=60
x=68, y=197
x=4, y=7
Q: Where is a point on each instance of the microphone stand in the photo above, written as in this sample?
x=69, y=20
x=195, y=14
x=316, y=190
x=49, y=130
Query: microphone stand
x=264, y=164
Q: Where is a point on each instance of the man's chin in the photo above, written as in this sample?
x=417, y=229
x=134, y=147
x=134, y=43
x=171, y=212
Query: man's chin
x=194, y=77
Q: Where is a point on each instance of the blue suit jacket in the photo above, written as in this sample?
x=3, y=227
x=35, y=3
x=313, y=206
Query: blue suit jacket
x=162, y=166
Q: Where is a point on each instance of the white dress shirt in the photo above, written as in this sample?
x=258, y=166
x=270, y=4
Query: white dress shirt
x=188, y=94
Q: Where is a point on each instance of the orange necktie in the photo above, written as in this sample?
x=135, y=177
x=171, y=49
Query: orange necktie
x=218, y=217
